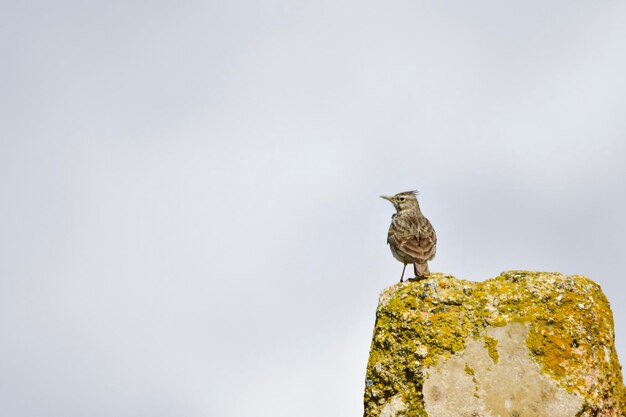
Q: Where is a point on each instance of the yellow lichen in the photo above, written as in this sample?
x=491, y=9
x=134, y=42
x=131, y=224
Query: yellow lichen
x=420, y=323
x=491, y=345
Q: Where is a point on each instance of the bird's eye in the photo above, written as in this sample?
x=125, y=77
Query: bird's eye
x=402, y=198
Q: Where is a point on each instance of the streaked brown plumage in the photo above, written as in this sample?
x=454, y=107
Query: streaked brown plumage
x=411, y=237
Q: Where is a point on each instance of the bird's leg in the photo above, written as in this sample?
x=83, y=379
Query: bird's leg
x=402, y=277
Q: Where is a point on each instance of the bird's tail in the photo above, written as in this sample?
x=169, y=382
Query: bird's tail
x=421, y=269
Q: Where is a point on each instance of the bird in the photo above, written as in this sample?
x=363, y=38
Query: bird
x=411, y=237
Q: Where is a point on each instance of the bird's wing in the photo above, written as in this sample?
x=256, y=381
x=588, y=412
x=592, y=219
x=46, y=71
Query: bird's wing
x=428, y=238
x=414, y=236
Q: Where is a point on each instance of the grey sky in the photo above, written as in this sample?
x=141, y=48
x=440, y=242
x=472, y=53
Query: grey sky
x=190, y=220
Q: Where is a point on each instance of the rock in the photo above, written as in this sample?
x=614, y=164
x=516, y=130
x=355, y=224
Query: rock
x=519, y=345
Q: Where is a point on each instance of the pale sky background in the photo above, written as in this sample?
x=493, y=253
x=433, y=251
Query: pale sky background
x=190, y=223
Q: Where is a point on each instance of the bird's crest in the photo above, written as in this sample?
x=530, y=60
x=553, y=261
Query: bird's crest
x=414, y=192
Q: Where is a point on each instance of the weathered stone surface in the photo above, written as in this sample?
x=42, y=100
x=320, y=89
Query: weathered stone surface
x=522, y=344
x=475, y=383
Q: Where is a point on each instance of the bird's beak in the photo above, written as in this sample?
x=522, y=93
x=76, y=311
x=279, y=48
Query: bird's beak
x=386, y=197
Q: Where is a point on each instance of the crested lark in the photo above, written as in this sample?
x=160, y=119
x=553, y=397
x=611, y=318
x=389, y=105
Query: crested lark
x=411, y=237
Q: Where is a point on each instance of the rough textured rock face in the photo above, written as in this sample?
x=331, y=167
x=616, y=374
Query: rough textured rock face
x=522, y=344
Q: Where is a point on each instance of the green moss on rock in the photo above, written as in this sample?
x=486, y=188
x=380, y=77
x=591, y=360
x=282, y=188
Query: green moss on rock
x=422, y=323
